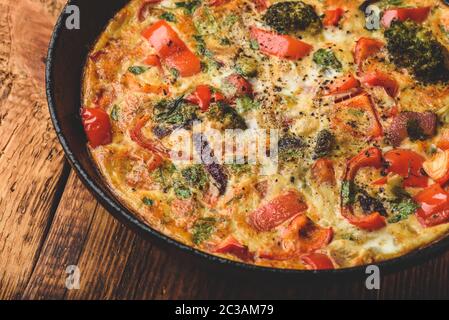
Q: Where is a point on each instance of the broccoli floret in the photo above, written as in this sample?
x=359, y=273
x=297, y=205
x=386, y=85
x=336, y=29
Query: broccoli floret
x=324, y=144
x=415, y=48
x=170, y=17
x=290, y=147
x=246, y=66
x=188, y=6
x=173, y=114
x=292, y=16
x=245, y=104
x=195, y=176
x=228, y=116
x=327, y=60
x=351, y=193
x=182, y=191
x=370, y=204
x=203, y=229
x=205, y=22
x=403, y=209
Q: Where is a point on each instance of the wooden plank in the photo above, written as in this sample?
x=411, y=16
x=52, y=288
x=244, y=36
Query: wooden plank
x=429, y=280
x=85, y=235
x=30, y=157
x=64, y=242
x=103, y=257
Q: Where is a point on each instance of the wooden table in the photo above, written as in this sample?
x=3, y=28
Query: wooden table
x=49, y=221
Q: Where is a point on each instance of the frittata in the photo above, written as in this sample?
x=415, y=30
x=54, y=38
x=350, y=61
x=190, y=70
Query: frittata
x=353, y=97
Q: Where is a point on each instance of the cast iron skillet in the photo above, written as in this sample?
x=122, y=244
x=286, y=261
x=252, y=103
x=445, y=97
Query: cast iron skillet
x=67, y=55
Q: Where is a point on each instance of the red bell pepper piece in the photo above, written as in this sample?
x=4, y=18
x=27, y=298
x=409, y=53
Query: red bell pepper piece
x=333, y=17
x=317, y=261
x=307, y=235
x=380, y=182
x=153, y=60
x=171, y=49
x=371, y=222
x=185, y=62
x=418, y=15
x=323, y=171
x=217, y=96
x=283, y=46
x=277, y=211
x=371, y=157
x=202, y=96
x=380, y=79
x=299, y=237
x=363, y=101
x=344, y=84
x=231, y=246
x=146, y=143
x=314, y=238
x=365, y=48
x=407, y=164
x=434, y=202
x=97, y=126
x=164, y=39
x=241, y=85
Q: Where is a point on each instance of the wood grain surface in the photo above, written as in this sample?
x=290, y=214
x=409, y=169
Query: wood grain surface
x=49, y=221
